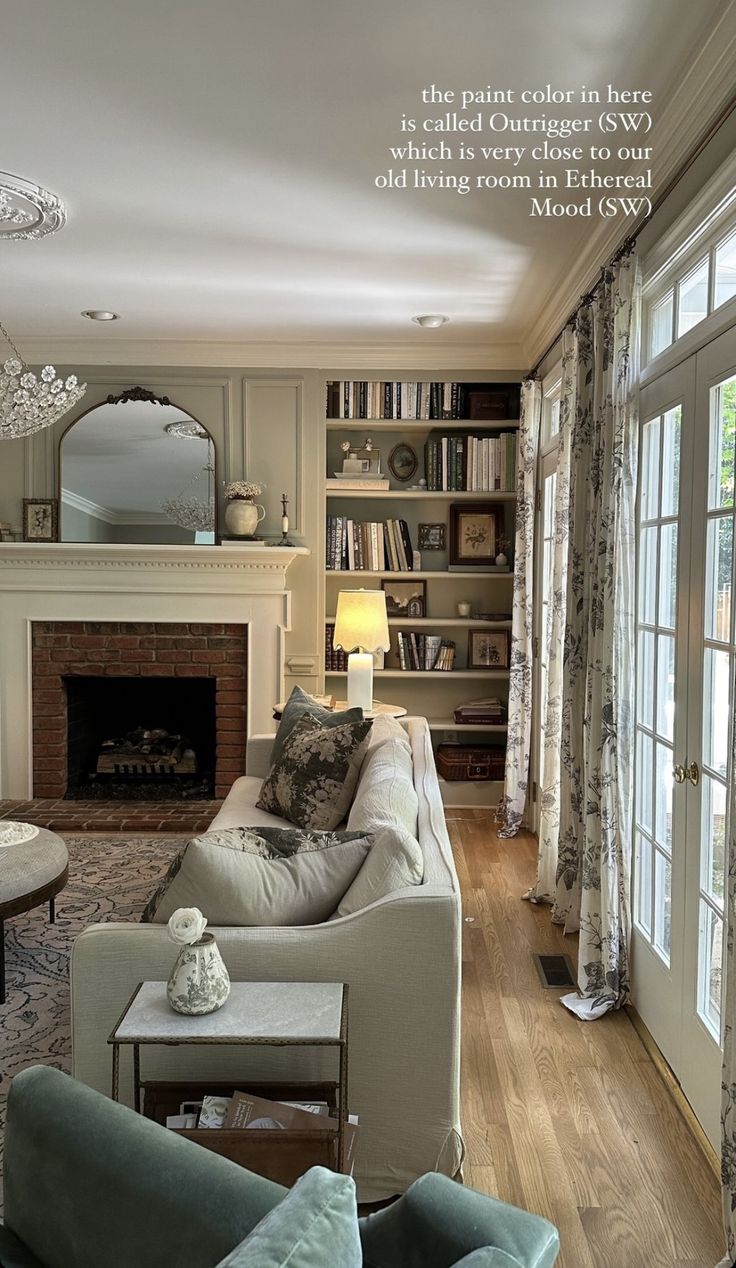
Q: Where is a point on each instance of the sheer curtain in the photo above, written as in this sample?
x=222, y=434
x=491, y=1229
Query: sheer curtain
x=518, y=741
x=728, y=1094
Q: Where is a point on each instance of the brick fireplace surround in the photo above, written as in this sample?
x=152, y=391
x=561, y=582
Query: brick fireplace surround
x=135, y=649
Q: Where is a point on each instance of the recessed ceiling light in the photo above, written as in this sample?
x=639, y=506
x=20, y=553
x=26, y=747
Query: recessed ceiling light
x=100, y=314
x=431, y=320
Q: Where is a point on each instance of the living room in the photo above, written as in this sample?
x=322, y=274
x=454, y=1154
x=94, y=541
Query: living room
x=444, y=854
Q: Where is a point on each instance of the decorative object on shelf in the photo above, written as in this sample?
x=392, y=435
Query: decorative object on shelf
x=362, y=460
x=30, y=402
x=13, y=833
x=503, y=545
x=432, y=536
x=137, y=394
x=199, y=982
x=40, y=519
x=284, y=540
x=360, y=622
x=27, y=210
x=242, y=514
x=186, y=429
x=472, y=534
x=488, y=649
x=418, y=488
x=463, y=607
x=189, y=511
x=402, y=462
x=405, y=598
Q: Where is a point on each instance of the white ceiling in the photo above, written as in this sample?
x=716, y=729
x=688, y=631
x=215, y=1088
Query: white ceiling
x=217, y=162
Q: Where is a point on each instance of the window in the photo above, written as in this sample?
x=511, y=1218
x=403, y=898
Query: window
x=551, y=390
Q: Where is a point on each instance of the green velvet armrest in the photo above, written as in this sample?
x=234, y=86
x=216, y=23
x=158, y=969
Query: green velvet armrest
x=88, y=1182
x=437, y=1222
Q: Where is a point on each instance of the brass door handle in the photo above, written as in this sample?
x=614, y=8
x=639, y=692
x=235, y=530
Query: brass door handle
x=693, y=773
x=679, y=774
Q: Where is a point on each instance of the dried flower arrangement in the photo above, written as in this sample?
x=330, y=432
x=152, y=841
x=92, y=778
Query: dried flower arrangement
x=244, y=490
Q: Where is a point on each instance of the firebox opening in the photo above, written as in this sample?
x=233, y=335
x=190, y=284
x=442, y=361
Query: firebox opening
x=152, y=738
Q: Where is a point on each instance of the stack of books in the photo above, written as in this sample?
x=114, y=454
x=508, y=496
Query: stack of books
x=362, y=399
x=368, y=547
x=336, y=660
x=490, y=712
x=418, y=651
x=471, y=464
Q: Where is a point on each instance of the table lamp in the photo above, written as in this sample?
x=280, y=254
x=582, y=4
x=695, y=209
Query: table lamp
x=361, y=622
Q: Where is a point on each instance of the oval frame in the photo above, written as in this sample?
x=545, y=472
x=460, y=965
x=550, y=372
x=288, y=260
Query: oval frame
x=404, y=452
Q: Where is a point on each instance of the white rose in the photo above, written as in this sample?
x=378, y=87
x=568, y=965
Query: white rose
x=187, y=925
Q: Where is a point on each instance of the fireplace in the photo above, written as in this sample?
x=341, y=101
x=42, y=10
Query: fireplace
x=105, y=692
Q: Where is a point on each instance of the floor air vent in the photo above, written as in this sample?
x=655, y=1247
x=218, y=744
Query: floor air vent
x=554, y=970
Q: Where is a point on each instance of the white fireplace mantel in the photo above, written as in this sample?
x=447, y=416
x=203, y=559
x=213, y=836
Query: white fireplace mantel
x=95, y=582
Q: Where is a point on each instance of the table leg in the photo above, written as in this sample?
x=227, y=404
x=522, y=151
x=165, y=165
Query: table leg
x=52, y=911
x=115, y=1071
x=342, y=1107
x=136, y=1078
x=2, y=961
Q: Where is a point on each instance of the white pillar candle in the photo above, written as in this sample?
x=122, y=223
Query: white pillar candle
x=284, y=524
x=360, y=680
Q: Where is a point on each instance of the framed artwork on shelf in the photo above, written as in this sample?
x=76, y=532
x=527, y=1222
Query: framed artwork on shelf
x=472, y=534
x=431, y=536
x=488, y=649
x=405, y=598
x=402, y=462
x=40, y=519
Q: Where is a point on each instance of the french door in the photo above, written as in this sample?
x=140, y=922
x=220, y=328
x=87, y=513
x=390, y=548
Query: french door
x=686, y=653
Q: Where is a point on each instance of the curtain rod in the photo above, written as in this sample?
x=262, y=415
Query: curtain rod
x=628, y=243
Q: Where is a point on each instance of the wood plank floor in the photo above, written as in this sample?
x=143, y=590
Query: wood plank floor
x=566, y=1118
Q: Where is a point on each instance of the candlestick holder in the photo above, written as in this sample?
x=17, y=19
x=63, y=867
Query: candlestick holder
x=284, y=540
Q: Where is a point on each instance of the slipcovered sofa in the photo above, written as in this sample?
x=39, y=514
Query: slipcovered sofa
x=88, y=1183
x=400, y=956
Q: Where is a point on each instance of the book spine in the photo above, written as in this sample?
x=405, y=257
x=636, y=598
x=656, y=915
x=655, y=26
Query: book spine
x=414, y=651
x=407, y=546
x=454, y=400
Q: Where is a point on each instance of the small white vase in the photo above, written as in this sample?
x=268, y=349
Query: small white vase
x=199, y=982
x=242, y=517
x=501, y=560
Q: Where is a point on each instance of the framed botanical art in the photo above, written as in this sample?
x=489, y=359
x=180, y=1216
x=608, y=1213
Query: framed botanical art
x=488, y=649
x=40, y=519
x=431, y=536
x=405, y=598
x=472, y=534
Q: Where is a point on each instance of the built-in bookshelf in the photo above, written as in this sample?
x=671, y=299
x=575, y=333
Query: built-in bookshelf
x=402, y=536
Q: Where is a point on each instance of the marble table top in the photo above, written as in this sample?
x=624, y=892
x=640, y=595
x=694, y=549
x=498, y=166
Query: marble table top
x=298, y=1011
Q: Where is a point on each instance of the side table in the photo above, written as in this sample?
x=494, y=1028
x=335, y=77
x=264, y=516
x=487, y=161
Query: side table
x=266, y=1014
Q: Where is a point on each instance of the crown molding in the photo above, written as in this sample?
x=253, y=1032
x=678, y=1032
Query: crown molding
x=110, y=517
x=699, y=94
x=481, y=355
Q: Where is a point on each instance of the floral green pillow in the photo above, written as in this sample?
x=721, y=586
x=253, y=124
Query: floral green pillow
x=313, y=780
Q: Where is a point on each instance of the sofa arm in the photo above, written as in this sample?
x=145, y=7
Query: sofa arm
x=88, y=1181
x=437, y=1222
x=258, y=755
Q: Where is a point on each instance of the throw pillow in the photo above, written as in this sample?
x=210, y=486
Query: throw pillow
x=386, y=796
x=394, y=861
x=300, y=705
x=261, y=876
x=314, y=1225
x=313, y=781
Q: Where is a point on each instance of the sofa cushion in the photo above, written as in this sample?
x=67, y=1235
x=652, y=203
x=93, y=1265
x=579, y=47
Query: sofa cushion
x=261, y=876
x=313, y=781
x=300, y=705
x=239, y=807
x=394, y=861
x=386, y=796
x=314, y=1225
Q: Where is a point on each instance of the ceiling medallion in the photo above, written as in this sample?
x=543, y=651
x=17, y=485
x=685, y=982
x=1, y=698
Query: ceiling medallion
x=27, y=210
x=186, y=429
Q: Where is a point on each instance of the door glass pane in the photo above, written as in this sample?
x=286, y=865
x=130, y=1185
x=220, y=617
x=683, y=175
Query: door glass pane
x=693, y=298
x=710, y=967
x=671, y=461
x=644, y=882
x=649, y=473
x=719, y=578
x=645, y=680
x=663, y=791
x=716, y=683
x=668, y=575
x=725, y=271
x=666, y=685
x=644, y=782
x=714, y=837
x=660, y=324
x=662, y=904
x=722, y=435
x=648, y=576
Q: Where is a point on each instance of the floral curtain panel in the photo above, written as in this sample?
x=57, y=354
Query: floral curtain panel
x=518, y=741
x=728, y=1094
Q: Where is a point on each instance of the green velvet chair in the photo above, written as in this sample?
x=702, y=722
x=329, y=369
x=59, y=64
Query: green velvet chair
x=89, y=1183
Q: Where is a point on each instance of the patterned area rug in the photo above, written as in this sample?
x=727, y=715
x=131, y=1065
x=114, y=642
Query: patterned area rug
x=110, y=878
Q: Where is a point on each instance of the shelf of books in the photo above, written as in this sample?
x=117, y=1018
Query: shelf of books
x=444, y=472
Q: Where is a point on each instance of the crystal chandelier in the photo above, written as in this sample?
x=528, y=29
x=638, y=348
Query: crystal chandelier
x=189, y=511
x=30, y=402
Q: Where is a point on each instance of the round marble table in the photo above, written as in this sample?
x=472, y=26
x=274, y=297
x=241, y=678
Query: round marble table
x=32, y=871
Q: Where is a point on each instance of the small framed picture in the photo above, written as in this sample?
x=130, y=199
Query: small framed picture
x=405, y=598
x=472, y=533
x=432, y=536
x=40, y=519
x=402, y=462
x=488, y=649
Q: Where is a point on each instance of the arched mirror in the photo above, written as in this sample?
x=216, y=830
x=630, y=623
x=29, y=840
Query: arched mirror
x=137, y=470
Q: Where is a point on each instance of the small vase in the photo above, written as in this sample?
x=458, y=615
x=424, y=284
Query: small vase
x=242, y=517
x=199, y=982
x=501, y=560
